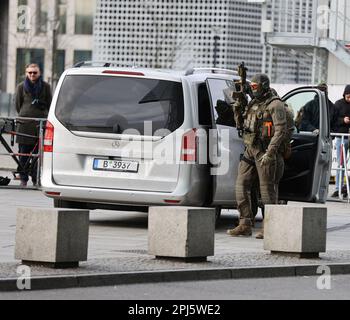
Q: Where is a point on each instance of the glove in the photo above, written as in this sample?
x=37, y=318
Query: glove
x=221, y=106
x=266, y=159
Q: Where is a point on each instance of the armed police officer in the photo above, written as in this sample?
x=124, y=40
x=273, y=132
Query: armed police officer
x=264, y=125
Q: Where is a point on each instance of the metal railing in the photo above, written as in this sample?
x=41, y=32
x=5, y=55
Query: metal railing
x=8, y=126
x=342, y=164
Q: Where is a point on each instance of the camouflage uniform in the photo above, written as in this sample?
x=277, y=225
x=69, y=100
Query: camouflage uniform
x=264, y=129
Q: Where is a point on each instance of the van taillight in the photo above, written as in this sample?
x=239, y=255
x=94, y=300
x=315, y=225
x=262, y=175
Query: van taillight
x=48, y=137
x=189, y=146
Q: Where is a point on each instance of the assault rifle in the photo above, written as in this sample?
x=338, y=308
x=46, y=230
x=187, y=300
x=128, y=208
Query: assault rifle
x=239, y=97
x=242, y=87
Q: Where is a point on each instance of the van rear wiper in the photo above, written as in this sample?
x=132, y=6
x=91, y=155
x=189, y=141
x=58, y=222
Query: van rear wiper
x=90, y=128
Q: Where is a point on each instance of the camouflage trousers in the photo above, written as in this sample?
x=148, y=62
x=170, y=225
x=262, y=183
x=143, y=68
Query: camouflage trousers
x=250, y=173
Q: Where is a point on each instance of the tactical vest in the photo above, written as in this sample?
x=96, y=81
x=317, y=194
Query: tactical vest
x=258, y=124
x=259, y=128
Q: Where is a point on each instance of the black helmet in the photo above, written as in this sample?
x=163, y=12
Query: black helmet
x=260, y=84
x=4, y=181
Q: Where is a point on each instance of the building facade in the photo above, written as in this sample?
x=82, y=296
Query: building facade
x=3, y=42
x=36, y=29
x=189, y=33
x=312, y=33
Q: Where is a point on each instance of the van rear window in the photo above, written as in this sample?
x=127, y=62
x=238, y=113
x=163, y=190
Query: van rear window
x=108, y=104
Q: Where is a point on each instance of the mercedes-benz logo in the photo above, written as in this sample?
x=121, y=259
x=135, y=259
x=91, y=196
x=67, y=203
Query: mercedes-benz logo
x=116, y=144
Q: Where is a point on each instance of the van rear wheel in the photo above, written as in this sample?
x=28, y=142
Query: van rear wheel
x=58, y=203
x=217, y=214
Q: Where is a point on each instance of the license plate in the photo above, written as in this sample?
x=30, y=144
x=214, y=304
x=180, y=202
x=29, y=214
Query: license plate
x=116, y=165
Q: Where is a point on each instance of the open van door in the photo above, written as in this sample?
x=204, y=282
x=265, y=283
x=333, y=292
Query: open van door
x=225, y=152
x=307, y=171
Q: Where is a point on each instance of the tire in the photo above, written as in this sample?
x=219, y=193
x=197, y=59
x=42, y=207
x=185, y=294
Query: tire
x=57, y=203
x=217, y=214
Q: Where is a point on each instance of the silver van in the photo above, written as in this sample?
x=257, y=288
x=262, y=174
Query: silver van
x=130, y=138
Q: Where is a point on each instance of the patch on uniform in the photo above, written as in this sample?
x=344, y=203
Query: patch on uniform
x=281, y=115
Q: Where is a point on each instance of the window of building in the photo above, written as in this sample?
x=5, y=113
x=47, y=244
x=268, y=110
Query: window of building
x=84, y=16
x=26, y=56
x=82, y=55
x=42, y=19
x=60, y=63
x=62, y=14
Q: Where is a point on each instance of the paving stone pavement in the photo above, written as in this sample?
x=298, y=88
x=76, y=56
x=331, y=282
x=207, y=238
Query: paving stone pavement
x=118, y=242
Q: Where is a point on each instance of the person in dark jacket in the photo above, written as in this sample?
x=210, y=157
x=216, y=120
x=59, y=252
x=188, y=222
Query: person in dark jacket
x=342, y=108
x=311, y=113
x=32, y=99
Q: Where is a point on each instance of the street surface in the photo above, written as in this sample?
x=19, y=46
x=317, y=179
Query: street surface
x=113, y=233
x=294, y=288
x=116, y=234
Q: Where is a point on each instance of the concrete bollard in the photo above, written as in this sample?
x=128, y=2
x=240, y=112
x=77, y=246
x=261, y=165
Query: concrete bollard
x=55, y=238
x=185, y=233
x=301, y=231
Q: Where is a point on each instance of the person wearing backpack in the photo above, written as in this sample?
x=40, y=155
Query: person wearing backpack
x=32, y=100
x=264, y=123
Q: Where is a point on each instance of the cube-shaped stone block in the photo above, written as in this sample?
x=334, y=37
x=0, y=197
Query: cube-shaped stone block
x=294, y=229
x=181, y=232
x=52, y=235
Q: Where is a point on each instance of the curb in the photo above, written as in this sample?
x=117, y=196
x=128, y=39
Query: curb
x=13, y=187
x=122, y=278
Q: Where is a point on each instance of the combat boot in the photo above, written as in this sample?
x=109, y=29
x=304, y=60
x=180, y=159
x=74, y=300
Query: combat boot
x=260, y=234
x=244, y=229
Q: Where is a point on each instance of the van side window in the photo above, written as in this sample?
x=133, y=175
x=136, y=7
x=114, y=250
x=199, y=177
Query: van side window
x=306, y=108
x=223, y=112
x=204, y=107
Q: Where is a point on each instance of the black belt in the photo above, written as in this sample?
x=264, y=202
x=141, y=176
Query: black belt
x=249, y=161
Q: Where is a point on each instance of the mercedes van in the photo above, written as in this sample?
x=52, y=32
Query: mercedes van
x=130, y=138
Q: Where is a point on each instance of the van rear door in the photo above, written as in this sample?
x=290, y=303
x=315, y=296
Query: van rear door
x=111, y=130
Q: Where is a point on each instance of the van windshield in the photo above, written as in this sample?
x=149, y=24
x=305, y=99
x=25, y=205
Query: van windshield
x=107, y=104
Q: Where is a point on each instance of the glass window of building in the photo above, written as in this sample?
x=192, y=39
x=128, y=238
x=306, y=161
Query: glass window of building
x=62, y=13
x=23, y=16
x=26, y=56
x=60, y=63
x=82, y=55
x=42, y=20
x=84, y=16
